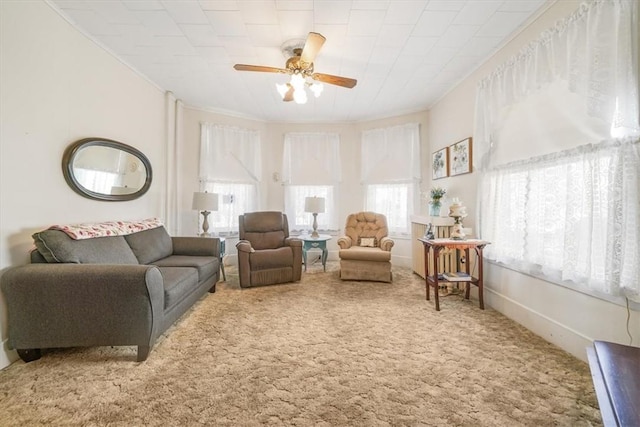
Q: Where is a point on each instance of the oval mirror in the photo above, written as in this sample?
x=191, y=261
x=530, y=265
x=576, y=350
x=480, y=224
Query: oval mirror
x=103, y=169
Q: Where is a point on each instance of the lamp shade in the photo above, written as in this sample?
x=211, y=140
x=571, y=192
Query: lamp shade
x=314, y=204
x=205, y=201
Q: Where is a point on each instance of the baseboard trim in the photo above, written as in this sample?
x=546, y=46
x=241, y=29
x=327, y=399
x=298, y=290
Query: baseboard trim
x=561, y=335
x=7, y=356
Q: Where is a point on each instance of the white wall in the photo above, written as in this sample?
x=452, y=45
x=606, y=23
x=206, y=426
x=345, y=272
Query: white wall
x=564, y=317
x=57, y=87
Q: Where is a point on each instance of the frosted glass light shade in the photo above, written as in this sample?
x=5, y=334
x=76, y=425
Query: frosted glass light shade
x=316, y=88
x=282, y=89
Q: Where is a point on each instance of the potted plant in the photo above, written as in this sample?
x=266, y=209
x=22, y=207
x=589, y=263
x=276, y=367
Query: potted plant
x=436, y=194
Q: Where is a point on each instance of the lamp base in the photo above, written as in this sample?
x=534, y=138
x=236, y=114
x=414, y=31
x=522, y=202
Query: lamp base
x=205, y=225
x=314, y=233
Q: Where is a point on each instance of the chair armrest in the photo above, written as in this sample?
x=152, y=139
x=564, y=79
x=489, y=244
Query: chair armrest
x=196, y=246
x=345, y=242
x=386, y=244
x=244, y=246
x=293, y=241
x=68, y=305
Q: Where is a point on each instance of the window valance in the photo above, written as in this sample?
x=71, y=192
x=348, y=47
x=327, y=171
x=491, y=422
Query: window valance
x=391, y=154
x=595, y=50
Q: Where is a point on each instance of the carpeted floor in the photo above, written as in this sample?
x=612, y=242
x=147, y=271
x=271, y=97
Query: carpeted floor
x=321, y=352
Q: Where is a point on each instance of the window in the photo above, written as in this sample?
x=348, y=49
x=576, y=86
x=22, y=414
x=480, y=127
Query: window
x=393, y=201
x=230, y=166
x=311, y=167
x=299, y=220
x=563, y=203
x=571, y=215
x=391, y=174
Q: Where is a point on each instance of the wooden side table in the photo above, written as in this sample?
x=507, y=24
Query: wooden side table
x=434, y=246
x=319, y=242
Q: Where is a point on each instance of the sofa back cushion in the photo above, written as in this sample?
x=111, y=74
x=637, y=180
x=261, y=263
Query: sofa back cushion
x=150, y=245
x=57, y=246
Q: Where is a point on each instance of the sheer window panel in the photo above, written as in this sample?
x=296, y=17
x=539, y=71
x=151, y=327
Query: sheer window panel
x=569, y=216
x=311, y=167
x=230, y=165
x=299, y=220
x=234, y=200
x=395, y=201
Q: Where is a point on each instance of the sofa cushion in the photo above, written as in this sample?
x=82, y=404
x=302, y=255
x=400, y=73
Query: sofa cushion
x=150, y=245
x=205, y=265
x=179, y=282
x=57, y=246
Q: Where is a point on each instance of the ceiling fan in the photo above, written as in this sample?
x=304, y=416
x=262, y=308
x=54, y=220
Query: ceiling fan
x=300, y=66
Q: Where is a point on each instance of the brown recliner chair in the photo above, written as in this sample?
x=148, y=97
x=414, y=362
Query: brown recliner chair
x=266, y=253
x=365, y=250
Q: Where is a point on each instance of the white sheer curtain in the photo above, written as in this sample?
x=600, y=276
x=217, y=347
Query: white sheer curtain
x=390, y=172
x=558, y=193
x=573, y=215
x=594, y=51
x=311, y=167
x=230, y=165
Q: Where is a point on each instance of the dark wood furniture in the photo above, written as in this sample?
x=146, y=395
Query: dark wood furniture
x=615, y=370
x=434, y=246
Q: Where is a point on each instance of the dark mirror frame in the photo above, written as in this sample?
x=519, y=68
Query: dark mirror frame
x=69, y=176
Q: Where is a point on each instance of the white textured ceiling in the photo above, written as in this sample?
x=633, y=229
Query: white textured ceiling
x=404, y=54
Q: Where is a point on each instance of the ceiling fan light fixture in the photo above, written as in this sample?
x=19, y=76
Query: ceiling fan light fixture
x=282, y=89
x=300, y=96
x=297, y=81
x=316, y=88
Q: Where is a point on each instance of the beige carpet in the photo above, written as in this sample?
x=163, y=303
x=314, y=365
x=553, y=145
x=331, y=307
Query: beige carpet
x=321, y=352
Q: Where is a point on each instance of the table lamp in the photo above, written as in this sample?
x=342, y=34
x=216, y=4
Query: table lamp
x=457, y=211
x=205, y=202
x=314, y=205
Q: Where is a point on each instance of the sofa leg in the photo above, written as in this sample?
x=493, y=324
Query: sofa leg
x=29, y=354
x=143, y=352
x=213, y=289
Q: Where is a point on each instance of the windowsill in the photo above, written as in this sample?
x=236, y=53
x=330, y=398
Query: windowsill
x=617, y=300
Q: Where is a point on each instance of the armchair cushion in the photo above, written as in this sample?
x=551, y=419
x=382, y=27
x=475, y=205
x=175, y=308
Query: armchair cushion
x=365, y=254
x=272, y=258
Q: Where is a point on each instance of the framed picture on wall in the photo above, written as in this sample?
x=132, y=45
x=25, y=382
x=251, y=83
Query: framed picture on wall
x=440, y=163
x=460, y=154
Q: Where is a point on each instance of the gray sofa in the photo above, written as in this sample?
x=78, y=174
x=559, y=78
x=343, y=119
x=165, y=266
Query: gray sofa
x=105, y=291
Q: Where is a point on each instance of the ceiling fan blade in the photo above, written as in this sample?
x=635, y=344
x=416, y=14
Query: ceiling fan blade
x=261, y=68
x=335, y=80
x=312, y=47
x=289, y=95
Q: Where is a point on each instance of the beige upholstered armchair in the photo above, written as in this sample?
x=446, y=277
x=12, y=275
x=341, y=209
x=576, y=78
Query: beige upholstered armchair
x=365, y=250
x=266, y=253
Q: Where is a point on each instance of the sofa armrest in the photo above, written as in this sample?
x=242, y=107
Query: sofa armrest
x=69, y=305
x=196, y=246
x=345, y=242
x=386, y=244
